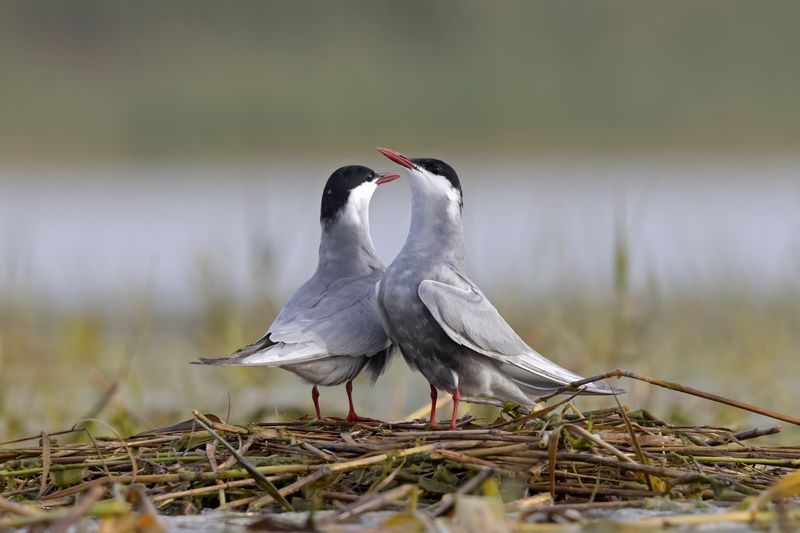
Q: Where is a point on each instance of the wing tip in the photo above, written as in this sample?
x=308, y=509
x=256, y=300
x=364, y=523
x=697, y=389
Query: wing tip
x=212, y=361
x=601, y=388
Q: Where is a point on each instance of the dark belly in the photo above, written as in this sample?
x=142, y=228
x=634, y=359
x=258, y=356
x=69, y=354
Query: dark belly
x=424, y=344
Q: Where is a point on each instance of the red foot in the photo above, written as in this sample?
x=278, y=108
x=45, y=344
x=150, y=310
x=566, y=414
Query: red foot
x=434, y=395
x=351, y=415
x=456, y=399
x=315, y=398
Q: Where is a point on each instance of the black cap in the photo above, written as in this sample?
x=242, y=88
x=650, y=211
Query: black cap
x=338, y=187
x=440, y=168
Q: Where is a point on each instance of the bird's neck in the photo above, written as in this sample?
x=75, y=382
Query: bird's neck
x=436, y=228
x=346, y=247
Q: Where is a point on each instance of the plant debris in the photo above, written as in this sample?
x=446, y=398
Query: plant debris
x=541, y=464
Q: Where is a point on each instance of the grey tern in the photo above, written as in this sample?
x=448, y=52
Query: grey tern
x=440, y=320
x=329, y=329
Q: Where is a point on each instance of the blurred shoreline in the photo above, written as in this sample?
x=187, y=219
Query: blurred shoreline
x=687, y=223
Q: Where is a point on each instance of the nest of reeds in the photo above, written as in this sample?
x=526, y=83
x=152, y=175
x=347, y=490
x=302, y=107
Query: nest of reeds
x=541, y=462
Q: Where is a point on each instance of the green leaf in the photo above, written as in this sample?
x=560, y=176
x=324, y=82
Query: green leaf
x=67, y=477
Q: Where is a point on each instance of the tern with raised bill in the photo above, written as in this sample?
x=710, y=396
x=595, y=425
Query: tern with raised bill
x=329, y=330
x=440, y=320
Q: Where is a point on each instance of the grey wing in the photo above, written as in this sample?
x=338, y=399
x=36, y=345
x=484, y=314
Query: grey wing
x=344, y=319
x=340, y=318
x=470, y=319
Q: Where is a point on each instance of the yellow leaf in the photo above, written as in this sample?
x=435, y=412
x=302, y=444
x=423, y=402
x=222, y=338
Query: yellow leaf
x=785, y=487
x=477, y=514
x=406, y=522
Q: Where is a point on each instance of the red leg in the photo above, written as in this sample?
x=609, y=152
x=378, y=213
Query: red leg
x=434, y=395
x=352, y=416
x=456, y=399
x=315, y=397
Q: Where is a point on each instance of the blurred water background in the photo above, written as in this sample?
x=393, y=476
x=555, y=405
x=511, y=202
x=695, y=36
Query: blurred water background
x=631, y=177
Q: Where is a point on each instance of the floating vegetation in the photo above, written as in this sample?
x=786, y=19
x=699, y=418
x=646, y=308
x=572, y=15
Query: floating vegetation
x=540, y=466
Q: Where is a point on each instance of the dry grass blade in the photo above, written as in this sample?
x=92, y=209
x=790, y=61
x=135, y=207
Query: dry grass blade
x=291, y=489
x=619, y=373
x=567, y=460
x=146, y=513
x=45, y=463
x=576, y=430
x=635, y=441
x=383, y=483
x=81, y=508
x=374, y=501
x=101, y=509
x=14, y=508
x=552, y=449
x=134, y=465
x=786, y=487
x=39, y=436
x=261, y=481
x=447, y=501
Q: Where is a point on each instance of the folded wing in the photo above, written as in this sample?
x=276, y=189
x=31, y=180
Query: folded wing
x=470, y=319
x=319, y=321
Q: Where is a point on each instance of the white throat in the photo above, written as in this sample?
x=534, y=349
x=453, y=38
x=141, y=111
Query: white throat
x=436, y=190
x=436, y=229
x=356, y=210
x=346, y=244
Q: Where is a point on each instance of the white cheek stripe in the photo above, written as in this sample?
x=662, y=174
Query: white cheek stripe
x=357, y=208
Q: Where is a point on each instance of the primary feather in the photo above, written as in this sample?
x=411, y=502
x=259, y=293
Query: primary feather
x=470, y=319
x=320, y=320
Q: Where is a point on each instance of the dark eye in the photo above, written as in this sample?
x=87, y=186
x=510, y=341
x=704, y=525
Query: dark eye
x=436, y=169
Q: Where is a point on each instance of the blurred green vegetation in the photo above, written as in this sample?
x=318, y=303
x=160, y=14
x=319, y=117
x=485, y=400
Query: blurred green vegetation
x=119, y=80
x=126, y=362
